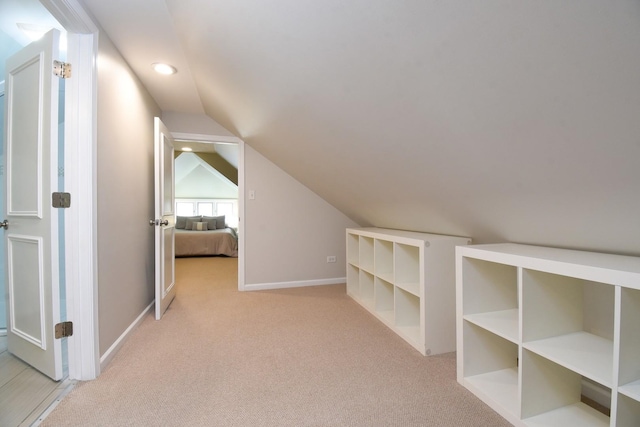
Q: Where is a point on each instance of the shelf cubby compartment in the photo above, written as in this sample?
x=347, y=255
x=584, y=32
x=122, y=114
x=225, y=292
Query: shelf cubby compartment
x=353, y=280
x=577, y=314
x=570, y=322
x=407, y=315
x=353, y=249
x=628, y=413
x=384, y=259
x=366, y=289
x=629, y=371
x=491, y=369
x=407, y=268
x=552, y=395
x=384, y=306
x=490, y=296
x=407, y=280
x=366, y=254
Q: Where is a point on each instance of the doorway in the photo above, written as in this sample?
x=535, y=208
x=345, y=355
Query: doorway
x=24, y=392
x=232, y=150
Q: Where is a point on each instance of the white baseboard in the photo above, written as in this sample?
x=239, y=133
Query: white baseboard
x=111, y=352
x=295, y=284
x=3, y=332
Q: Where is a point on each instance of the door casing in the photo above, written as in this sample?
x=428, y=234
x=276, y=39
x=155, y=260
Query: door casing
x=80, y=166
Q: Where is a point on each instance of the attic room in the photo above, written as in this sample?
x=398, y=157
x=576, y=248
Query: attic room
x=495, y=121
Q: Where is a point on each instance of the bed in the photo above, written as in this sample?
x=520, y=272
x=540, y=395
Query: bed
x=204, y=236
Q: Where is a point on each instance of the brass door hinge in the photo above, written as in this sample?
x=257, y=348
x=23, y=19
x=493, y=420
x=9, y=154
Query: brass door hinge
x=63, y=329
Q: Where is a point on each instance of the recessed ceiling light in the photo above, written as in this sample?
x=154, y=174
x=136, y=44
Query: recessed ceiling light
x=164, y=68
x=187, y=149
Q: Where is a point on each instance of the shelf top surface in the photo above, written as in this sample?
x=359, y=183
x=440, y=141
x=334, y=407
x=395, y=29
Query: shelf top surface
x=561, y=261
x=371, y=231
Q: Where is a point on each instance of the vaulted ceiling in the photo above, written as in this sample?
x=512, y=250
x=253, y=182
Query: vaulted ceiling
x=495, y=119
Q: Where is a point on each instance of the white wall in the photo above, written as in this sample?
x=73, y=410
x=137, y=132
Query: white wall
x=199, y=124
x=289, y=230
x=124, y=193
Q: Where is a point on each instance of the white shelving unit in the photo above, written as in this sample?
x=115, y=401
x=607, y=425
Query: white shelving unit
x=536, y=326
x=407, y=280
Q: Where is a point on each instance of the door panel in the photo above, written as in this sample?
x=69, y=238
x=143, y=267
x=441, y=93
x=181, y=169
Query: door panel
x=27, y=289
x=164, y=218
x=33, y=280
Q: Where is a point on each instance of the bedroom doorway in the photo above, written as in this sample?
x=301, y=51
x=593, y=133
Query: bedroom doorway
x=209, y=182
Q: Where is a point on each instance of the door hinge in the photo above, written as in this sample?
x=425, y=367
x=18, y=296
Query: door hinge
x=63, y=330
x=61, y=200
x=62, y=69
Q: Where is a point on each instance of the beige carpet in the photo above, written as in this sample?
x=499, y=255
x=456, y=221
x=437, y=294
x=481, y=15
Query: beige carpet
x=297, y=357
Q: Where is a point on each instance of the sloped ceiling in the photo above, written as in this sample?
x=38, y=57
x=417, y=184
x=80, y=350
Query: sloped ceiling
x=195, y=178
x=499, y=120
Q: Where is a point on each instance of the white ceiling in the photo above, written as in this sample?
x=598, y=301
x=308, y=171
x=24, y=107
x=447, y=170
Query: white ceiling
x=499, y=120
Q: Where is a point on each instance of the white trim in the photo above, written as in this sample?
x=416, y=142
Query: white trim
x=205, y=138
x=80, y=180
x=111, y=352
x=241, y=284
x=71, y=15
x=231, y=140
x=295, y=284
x=2, y=92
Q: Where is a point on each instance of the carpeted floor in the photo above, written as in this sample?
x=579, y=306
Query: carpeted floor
x=296, y=357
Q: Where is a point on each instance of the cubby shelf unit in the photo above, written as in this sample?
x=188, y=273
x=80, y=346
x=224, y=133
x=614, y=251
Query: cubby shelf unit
x=536, y=327
x=407, y=280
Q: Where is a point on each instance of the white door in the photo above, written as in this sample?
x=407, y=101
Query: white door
x=164, y=221
x=31, y=138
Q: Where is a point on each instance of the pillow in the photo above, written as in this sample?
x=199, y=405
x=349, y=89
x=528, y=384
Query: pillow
x=181, y=221
x=211, y=222
x=199, y=226
x=190, y=221
x=219, y=222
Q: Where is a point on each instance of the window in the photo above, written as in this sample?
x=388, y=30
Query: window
x=225, y=208
x=184, y=209
x=205, y=208
x=209, y=207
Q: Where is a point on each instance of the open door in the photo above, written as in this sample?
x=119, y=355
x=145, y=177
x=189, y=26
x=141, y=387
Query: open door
x=164, y=221
x=31, y=236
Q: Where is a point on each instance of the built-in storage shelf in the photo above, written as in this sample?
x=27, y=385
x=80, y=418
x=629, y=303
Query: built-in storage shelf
x=631, y=390
x=407, y=280
x=584, y=353
x=503, y=323
x=535, y=325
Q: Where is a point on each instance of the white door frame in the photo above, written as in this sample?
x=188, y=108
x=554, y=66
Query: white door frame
x=80, y=180
x=234, y=140
x=3, y=331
